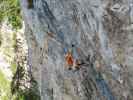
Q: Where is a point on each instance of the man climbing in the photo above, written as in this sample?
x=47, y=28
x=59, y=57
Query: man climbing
x=69, y=59
x=72, y=57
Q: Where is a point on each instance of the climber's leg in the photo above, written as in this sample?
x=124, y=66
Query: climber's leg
x=70, y=68
x=76, y=64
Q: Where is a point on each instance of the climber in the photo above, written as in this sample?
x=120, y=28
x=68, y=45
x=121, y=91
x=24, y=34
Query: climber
x=72, y=57
x=69, y=59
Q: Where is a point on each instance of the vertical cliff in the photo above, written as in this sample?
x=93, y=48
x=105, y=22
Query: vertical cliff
x=99, y=32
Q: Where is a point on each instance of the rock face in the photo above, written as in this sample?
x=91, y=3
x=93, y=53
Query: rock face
x=101, y=33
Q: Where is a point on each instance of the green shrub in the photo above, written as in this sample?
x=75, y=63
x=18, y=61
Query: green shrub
x=10, y=9
x=31, y=93
x=0, y=39
x=4, y=87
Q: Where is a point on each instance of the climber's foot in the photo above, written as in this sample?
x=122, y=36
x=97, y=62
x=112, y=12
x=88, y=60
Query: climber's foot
x=69, y=68
x=77, y=68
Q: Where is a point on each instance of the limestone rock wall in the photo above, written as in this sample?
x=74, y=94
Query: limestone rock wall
x=101, y=29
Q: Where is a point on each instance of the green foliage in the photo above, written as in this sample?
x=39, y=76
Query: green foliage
x=14, y=41
x=4, y=83
x=27, y=93
x=4, y=87
x=15, y=84
x=31, y=93
x=13, y=67
x=0, y=39
x=10, y=9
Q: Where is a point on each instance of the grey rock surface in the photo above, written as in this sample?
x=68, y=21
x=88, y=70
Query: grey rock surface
x=100, y=28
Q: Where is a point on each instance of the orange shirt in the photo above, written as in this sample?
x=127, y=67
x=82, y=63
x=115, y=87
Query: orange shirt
x=69, y=59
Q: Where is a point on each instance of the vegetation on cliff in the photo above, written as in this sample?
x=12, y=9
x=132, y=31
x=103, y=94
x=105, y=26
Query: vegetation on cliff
x=10, y=9
x=20, y=86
